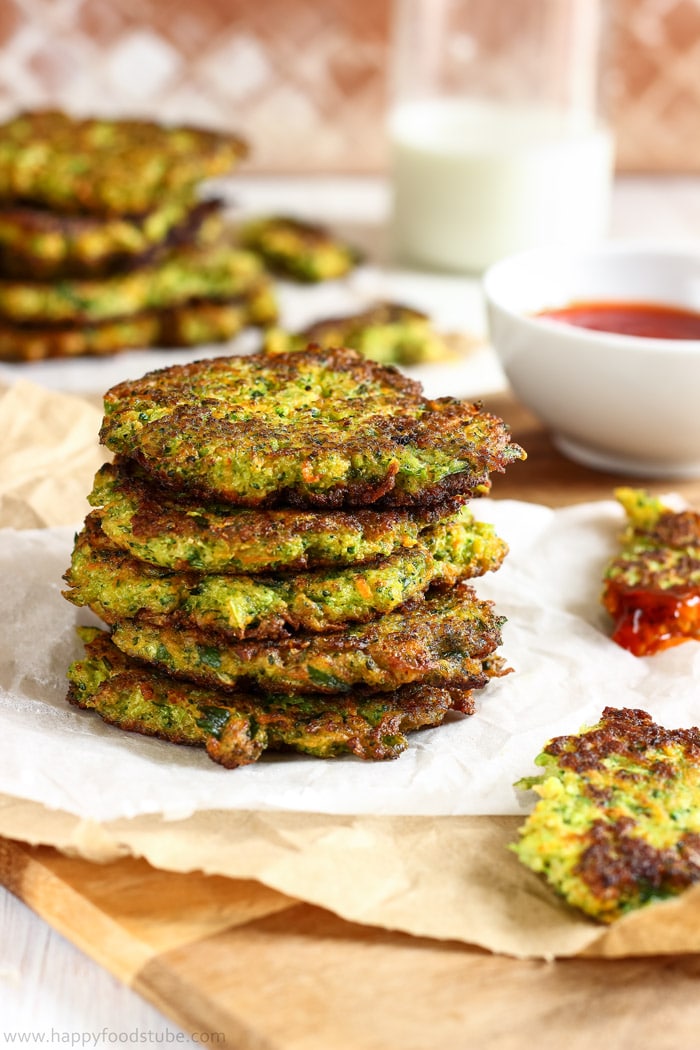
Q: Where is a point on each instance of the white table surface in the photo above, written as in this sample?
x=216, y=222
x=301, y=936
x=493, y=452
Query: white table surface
x=46, y=985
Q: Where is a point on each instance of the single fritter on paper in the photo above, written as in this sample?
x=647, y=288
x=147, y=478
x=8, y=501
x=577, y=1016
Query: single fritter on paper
x=389, y=333
x=617, y=825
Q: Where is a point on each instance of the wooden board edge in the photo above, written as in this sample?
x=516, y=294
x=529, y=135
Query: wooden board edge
x=68, y=912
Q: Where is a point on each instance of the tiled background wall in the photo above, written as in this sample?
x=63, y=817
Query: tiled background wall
x=304, y=79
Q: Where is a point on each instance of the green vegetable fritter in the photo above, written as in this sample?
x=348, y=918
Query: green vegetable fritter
x=190, y=324
x=178, y=534
x=463, y=548
x=617, y=825
x=117, y=587
x=661, y=546
x=107, y=167
x=446, y=640
x=387, y=333
x=236, y=728
x=40, y=245
x=303, y=251
x=310, y=429
x=215, y=272
x=652, y=587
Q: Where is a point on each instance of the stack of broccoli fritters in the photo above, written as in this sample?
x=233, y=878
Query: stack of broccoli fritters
x=104, y=244
x=280, y=550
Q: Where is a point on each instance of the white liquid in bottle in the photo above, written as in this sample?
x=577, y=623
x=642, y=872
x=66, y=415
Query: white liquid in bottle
x=476, y=181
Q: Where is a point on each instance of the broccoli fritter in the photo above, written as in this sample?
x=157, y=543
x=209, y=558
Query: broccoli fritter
x=39, y=245
x=214, y=272
x=107, y=167
x=307, y=429
x=463, y=548
x=387, y=333
x=617, y=825
x=117, y=587
x=190, y=324
x=446, y=640
x=176, y=534
x=236, y=728
x=303, y=251
x=652, y=587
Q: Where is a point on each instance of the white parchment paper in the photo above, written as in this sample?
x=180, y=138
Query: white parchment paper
x=566, y=670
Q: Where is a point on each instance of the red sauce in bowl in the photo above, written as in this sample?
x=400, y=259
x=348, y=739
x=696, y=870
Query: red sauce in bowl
x=647, y=320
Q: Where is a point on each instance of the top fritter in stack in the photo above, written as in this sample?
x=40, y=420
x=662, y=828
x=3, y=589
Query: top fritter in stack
x=280, y=551
x=105, y=245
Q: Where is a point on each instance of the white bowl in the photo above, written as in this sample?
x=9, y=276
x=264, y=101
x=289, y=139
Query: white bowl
x=614, y=402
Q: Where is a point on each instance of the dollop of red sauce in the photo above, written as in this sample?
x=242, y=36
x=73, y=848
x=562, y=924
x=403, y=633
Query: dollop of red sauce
x=647, y=621
x=647, y=320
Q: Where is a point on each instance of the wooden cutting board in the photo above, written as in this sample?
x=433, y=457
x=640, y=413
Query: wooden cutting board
x=223, y=956
x=271, y=973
